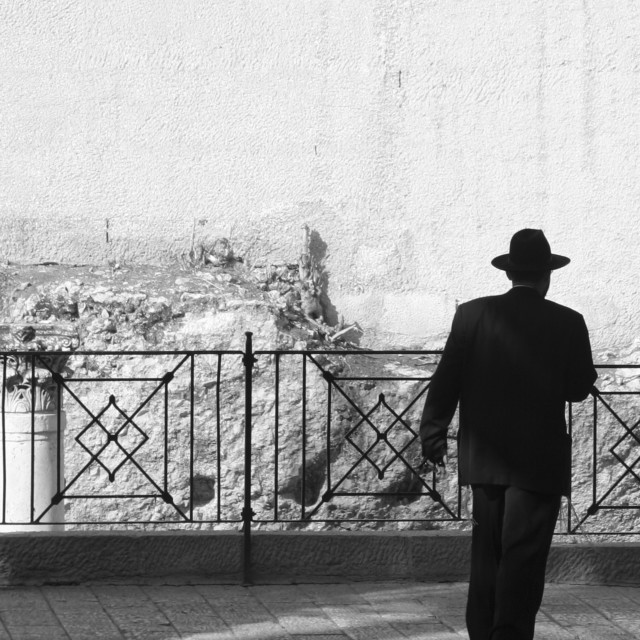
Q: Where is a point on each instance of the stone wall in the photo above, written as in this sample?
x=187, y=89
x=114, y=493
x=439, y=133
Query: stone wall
x=210, y=307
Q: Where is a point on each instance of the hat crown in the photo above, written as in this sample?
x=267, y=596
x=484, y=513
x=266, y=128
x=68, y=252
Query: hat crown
x=529, y=251
x=530, y=248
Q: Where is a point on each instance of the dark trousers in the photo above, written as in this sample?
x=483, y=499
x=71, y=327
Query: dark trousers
x=509, y=547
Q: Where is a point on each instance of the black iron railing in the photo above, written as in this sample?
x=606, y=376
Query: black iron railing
x=280, y=439
x=606, y=482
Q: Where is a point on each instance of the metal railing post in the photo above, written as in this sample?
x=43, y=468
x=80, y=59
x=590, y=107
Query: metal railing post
x=247, y=512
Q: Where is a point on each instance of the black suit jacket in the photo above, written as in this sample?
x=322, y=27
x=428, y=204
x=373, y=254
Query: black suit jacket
x=511, y=361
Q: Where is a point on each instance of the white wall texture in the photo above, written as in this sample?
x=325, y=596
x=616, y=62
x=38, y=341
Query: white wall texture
x=415, y=136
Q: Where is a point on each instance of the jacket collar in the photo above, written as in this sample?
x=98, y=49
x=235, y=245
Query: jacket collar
x=523, y=290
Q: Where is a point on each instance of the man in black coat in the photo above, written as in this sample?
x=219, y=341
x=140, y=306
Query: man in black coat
x=511, y=361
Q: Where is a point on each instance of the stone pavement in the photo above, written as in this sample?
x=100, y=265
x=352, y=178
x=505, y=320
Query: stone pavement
x=357, y=610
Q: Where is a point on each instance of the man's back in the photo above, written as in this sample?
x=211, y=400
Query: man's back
x=512, y=361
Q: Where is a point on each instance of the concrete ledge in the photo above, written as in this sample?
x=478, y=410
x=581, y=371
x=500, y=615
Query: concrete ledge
x=431, y=556
x=71, y=557
x=593, y=563
x=287, y=556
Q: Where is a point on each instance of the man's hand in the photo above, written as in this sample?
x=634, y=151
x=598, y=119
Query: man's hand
x=438, y=466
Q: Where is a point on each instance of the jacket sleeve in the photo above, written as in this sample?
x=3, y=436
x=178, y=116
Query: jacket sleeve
x=581, y=373
x=443, y=393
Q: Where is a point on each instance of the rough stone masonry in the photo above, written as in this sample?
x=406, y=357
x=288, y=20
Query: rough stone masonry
x=208, y=302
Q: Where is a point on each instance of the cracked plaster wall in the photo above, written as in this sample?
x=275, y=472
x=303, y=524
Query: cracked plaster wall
x=414, y=137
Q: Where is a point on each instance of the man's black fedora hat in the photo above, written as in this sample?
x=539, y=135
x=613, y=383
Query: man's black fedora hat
x=529, y=251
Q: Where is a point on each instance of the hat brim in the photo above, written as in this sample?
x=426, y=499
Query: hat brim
x=504, y=263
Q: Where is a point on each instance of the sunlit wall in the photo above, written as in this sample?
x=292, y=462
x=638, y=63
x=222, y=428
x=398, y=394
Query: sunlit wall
x=413, y=136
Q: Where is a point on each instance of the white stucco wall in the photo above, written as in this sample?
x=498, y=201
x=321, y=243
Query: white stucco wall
x=414, y=136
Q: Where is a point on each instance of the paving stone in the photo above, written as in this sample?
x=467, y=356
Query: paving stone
x=296, y=618
x=630, y=624
x=90, y=609
x=150, y=634
x=600, y=632
x=321, y=636
x=333, y=593
x=360, y=622
x=402, y=603
x=187, y=626
x=457, y=623
x=557, y=594
x=192, y=617
x=633, y=593
x=39, y=633
x=222, y=593
x=373, y=592
x=86, y=623
x=196, y=609
x=243, y=611
x=92, y=632
x=425, y=630
x=173, y=594
x=450, y=609
x=279, y=593
x=403, y=611
x=258, y=631
x=188, y=611
x=120, y=595
x=22, y=598
x=608, y=601
x=135, y=622
x=212, y=635
x=444, y=601
x=572, y=615
x=4, y=634
x=262, y=629
x=547, y=629
x=72, y=594
x=21, y=616
x=218, y=635
x=248, y=618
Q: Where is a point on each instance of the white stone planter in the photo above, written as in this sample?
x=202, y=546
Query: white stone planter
x=18, y=455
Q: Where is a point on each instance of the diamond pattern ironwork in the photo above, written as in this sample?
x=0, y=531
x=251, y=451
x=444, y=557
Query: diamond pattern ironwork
x=382, y=441
x=629, y=434
x=113, y=440
x=381, y=436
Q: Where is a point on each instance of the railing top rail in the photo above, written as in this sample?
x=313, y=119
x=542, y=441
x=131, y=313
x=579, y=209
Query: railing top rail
x=258, y=352
x=124, y=352
x=115, y=352
x=360, y=352
x=616, y=366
